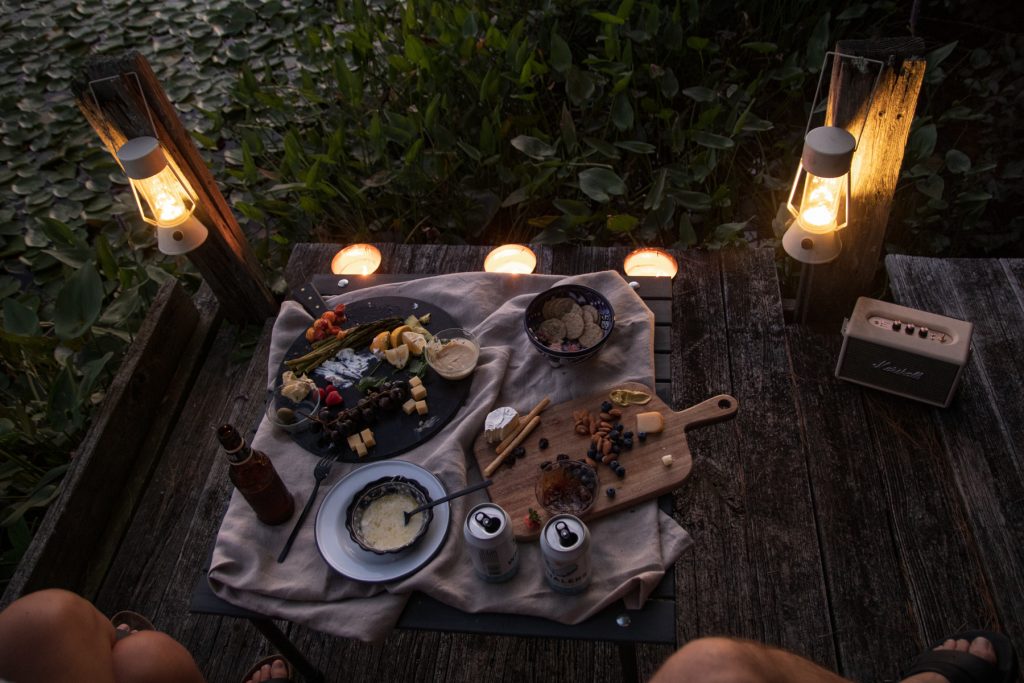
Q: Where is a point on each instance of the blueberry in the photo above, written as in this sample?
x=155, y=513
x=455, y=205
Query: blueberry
x=592, y=454
x=620, y=471
x=628, y=435
x=642, y=436
x=519, y=451
x=615, y=449
x=610, y=492
x=614, y=464
x=510, y=461
x=606, y=406
x=618, y=428
x=543, y=444
x=627, y=444
x=562, y=456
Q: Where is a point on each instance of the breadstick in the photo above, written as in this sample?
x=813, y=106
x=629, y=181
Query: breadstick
x=523, y=433
x=522, y=423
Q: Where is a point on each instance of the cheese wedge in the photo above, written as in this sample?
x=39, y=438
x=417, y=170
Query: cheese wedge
x=652, y=423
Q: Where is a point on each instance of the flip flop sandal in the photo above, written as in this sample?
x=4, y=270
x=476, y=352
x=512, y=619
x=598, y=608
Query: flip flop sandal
x=963, y=667
x=133, y=620
x=270, y=659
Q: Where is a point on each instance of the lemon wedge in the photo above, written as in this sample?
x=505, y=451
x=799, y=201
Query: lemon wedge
x=380, y=343
x=398, y=356
x=396, y=335
x=415, y=341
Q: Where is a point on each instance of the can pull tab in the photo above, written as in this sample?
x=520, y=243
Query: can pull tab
x=488, y=523
x=566, y=536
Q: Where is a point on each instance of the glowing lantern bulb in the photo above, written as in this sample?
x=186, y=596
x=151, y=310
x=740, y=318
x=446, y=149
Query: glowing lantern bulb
x=510, y=258
x=162, y=196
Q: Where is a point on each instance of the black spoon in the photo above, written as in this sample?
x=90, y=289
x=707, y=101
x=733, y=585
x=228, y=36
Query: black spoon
x=461, y=492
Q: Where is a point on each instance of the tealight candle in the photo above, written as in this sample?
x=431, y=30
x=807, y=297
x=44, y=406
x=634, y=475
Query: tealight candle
x=510, y=258
x=650, y=262
x=356, y=259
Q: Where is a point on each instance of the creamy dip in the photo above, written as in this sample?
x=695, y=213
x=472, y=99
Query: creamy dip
x=453, y=359
x=383, y=524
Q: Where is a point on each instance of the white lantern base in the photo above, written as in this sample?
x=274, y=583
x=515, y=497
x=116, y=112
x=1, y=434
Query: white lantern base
x=181, y=238
x=811, y=247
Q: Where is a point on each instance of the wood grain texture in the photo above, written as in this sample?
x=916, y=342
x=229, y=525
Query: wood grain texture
x=888, y=112
x=73, y=544
x=118, y=107
x=755, y=571
x=646, y=477
x=981, y=432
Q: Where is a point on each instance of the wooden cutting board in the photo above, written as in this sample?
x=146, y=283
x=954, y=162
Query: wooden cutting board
x=646, y=477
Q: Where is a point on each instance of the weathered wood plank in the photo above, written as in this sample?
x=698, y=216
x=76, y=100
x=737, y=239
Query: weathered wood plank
x=982, y=429
x=873, y=628
x=756, y=569
x=77, y=536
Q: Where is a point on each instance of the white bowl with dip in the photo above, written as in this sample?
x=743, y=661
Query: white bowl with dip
x=376, y=517
x=453, y=353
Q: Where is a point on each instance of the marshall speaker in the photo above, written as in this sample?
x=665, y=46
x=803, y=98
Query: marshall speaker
x=904, y=351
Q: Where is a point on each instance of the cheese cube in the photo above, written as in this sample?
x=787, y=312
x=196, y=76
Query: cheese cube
x=415, y=382
x=418, y=392
x=361, y=449
x=409, y=406
x=652, y=423
x=354, y=442
x=421, y=407
x=367, y=436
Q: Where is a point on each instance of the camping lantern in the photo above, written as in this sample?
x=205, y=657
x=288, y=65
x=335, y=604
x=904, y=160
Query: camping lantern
x=650, y=262
x=824, y=174
x=356, y=259
x=163, y=196
x=510, y=258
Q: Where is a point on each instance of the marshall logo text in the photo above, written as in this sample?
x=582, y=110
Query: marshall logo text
x=886, y=366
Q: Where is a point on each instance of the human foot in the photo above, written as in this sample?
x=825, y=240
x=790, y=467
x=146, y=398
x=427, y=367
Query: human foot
x=276, y=669
x=956, y=659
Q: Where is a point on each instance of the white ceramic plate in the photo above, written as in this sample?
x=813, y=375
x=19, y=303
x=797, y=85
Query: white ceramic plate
x=347, y=558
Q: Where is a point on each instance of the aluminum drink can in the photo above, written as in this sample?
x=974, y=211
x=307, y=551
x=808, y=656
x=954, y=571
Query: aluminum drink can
x=565, y=547
x=492, y=546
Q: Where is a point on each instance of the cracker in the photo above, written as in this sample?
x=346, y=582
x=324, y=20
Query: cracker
x=546, y=309
x=590, y=314
x=561, y=305
x=573, y=325
x=551, y=330
x=591, y=335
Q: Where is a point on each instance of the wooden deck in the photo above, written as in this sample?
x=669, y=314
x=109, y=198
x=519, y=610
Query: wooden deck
x=844, y=524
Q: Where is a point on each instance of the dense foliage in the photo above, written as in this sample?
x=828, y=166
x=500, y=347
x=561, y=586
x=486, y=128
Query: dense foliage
x=582, y=121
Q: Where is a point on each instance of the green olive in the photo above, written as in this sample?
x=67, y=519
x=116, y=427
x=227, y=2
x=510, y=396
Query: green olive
x=285, y=416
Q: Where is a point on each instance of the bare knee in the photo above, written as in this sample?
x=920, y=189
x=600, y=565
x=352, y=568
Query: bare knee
x=710, y=660
x=53, y=611
x=153, y=657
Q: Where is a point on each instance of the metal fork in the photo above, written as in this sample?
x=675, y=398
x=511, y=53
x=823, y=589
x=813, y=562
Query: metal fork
x=319, y=473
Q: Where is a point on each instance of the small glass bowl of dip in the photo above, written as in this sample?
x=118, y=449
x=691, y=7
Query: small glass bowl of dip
x=453, y=353
x=375, y=519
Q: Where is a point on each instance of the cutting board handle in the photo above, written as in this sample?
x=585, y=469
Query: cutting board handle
x=714, y=409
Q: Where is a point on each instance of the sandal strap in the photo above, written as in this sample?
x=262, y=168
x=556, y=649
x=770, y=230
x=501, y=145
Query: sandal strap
x=958, y=667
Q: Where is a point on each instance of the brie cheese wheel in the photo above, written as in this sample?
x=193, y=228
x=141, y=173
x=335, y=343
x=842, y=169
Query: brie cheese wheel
x=500, y=423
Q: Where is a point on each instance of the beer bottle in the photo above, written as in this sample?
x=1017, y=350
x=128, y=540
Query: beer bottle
x=254, y=476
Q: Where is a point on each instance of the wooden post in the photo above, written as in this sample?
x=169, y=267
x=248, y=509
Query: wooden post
x=832, y=289
x=120, y=111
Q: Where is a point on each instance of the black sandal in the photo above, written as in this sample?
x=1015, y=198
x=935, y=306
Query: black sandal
x=963, y=667
x=270, y=660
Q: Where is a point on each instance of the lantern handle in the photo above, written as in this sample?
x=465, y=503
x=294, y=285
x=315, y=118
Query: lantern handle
x=142, y=96
x=860, y=62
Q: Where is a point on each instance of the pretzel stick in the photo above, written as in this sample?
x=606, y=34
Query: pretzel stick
x=523, y=433
x=522, y=423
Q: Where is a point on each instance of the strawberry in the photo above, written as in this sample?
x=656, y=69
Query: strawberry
x=532, y=519
x=322, y=392
x=331, y=389
x=334, y=399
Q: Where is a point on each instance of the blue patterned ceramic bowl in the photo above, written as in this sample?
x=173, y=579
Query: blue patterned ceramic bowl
x=568, y=350
x=377, y=526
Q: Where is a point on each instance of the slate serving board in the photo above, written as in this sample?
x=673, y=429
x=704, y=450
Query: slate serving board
x=394, y=431
x=646, y=477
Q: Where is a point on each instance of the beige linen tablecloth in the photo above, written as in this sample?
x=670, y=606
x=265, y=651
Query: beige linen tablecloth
x=631, y=550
